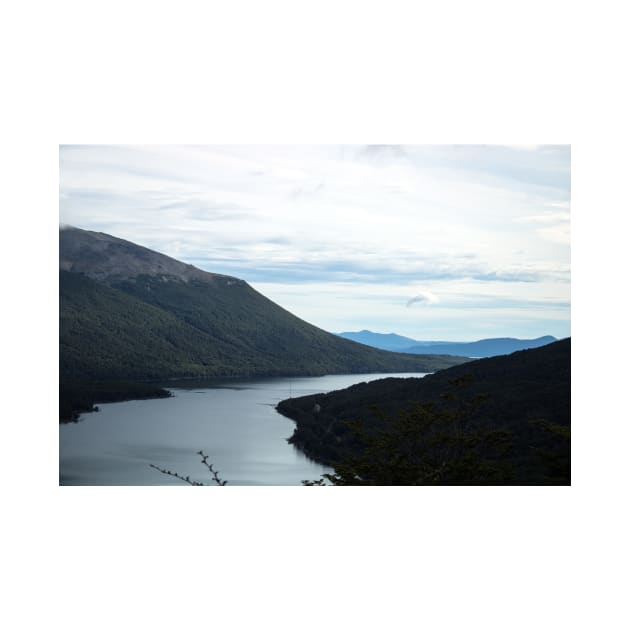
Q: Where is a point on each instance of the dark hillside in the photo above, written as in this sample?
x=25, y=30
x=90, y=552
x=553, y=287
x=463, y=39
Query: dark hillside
x=527, y=394
x=131, y=314
x=152, y=329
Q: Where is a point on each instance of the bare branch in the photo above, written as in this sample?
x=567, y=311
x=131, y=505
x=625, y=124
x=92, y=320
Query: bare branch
x=187, y=479
x=174, y=474
x=215, y=473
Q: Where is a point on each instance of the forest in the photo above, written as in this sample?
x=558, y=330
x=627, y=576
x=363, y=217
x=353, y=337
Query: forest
x=151, y=329
x=502, y=420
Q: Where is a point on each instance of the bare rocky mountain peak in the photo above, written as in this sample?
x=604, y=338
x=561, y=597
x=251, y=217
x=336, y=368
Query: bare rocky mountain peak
x=103, y=257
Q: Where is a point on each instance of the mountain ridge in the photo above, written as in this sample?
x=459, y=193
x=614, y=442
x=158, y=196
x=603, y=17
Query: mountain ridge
x=481, y=348
x=102, y=257
x=128, y=314
x=484, y=347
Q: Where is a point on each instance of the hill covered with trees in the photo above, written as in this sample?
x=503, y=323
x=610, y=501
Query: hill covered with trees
x=128, y=314
x=502, y=420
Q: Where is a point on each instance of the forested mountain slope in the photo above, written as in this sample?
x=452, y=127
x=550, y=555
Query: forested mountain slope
x=149, y=328
x=130, y=314
x=525, y=396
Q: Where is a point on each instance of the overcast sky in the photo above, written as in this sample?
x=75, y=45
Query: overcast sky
x=432, y=242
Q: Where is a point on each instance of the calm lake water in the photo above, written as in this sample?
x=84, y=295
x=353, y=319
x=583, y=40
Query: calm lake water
x=234, y=422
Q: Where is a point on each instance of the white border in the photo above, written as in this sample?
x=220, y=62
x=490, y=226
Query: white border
x=314, y=72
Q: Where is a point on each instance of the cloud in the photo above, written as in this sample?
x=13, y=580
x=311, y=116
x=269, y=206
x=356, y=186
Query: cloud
x=500, y=276
x=550, y=217
x=383, y=152
x=555, y=226
x=307, y=190
x=424, y=297
x=489, y=220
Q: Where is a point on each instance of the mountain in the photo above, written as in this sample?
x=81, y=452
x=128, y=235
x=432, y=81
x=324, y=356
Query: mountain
x=478, y=349
x=482, y=348
x=128, y=313
x=522, y=401
x=390, y=341
x=102, y=257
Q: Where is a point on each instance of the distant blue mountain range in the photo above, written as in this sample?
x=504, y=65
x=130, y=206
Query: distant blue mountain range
x=478, y=349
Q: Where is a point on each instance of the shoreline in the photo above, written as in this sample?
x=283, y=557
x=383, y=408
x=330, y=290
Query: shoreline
x=78, y=398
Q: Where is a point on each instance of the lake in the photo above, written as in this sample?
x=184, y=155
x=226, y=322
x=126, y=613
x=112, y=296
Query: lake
x=233, y=421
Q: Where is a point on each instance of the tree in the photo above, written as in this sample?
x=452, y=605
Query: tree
x=425, y=446
x=445, y=444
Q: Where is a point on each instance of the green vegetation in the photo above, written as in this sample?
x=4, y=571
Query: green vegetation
x=424, y=446
x=507, y=422
x=153, y=329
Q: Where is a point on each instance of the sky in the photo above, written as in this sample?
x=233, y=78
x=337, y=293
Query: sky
x=435, y=242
